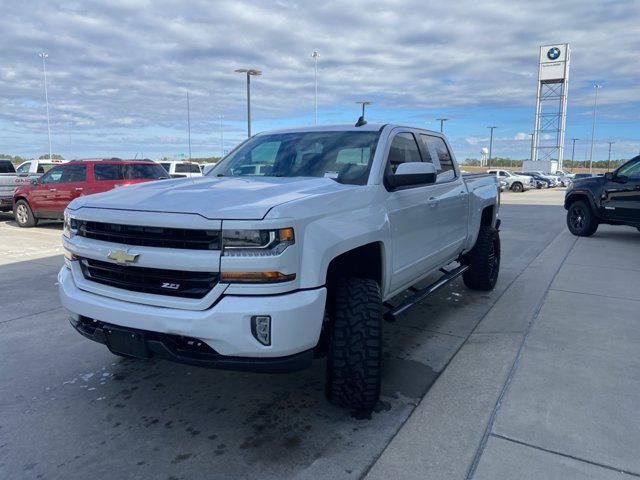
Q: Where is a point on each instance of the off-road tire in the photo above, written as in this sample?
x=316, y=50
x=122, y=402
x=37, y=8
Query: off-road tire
x=581, y=219
x=517, y=187
x=24, y=215
x=483, y=260
x=354, y=357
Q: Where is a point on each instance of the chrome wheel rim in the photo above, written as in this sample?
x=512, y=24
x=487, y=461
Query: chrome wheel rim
x=21, y=214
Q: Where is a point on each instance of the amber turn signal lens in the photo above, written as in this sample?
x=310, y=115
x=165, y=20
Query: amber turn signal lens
x=286, y=235
x=256, y=277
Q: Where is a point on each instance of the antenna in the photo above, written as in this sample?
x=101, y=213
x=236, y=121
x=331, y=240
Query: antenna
x=361, y=121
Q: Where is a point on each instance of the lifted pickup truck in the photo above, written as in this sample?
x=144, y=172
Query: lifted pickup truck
x=613, y=198
x=264, y=270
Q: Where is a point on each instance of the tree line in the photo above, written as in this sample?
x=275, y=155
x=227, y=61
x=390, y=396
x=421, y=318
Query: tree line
x=513, y=163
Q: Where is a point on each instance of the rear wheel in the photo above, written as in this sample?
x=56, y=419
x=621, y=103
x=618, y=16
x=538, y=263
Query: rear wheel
x=483, y=260
x=517, y=187
x=354, y=355
x=23, y=215
x=581, y=220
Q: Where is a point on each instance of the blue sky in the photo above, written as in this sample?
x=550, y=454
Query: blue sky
x=119, y=71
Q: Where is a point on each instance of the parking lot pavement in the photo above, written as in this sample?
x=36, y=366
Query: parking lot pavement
x=547, y=384
x=73, y=410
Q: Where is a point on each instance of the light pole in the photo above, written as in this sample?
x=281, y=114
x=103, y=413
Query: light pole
x=44, y=56
x=315, y=56
x=442, y=120
x=250, y=72
x=593, y=125
x=221, y=137
x=189, y=124
x=490, y=144
x=532, y=135
x=609, y=160
x=573, y=151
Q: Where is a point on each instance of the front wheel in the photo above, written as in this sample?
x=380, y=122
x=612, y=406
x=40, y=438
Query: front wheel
x=581, y=220
x=517, y=187
x=354, y=356
x=483, y=260
x=23, y=215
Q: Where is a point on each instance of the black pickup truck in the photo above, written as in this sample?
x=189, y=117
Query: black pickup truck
x=613, y=199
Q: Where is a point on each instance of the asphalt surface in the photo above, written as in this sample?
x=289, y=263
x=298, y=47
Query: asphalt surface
x=70, y=409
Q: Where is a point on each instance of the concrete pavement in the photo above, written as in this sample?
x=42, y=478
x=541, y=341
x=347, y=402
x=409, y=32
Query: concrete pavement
x=548, y=384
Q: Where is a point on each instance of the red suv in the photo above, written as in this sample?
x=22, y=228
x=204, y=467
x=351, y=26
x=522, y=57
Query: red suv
x=48, y=195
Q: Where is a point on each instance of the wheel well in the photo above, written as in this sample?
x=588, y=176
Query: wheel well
x=574, y=198
x=361, y=262
x=487, y=216
x=17, y=199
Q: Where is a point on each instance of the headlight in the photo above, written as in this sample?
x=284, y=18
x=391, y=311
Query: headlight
x=260, y=243
x=70, y=227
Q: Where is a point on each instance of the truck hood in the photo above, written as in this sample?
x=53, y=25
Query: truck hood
x=223, y=198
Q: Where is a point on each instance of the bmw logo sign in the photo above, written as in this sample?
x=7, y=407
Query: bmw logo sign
x=553, y=53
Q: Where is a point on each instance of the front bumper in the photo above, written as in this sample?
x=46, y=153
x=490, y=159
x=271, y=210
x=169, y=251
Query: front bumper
x=145, y=344
x=6, y=204
x=296, y=319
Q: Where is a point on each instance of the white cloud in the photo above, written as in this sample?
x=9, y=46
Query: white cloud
x=130, y=63
x=521, y=136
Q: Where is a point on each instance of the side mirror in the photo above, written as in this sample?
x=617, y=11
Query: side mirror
x=412, y=173
x=34, y=181
x=619, y=178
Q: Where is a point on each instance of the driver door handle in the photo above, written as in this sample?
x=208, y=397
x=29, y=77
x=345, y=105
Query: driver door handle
x=78, y=189
x=433, y=201
x=53, y=190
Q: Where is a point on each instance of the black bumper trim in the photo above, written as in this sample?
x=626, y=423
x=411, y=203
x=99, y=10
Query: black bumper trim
x=172, y=348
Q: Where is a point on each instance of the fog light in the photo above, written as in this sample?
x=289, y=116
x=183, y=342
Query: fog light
x=261, y=328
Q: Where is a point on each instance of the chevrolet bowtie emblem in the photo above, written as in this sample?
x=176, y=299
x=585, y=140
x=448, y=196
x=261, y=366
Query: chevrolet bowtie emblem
x=122, y=256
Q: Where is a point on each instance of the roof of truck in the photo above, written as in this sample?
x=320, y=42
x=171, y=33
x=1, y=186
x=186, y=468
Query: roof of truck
x=369, y=127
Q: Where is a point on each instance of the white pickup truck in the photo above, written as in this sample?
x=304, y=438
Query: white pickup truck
x=263, y=271
x=515, y=182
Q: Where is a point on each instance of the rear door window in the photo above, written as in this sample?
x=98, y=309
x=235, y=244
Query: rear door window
x=74, y=173
x=107, y=171
x=440, y=156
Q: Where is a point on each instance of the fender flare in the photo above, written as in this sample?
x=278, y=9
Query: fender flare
x=581, y=192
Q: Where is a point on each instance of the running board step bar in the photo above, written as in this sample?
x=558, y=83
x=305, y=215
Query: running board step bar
x=421, y=294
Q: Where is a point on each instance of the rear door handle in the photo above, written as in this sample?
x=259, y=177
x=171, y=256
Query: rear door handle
x=433, y=201
x=53, y=190
x=78, y=189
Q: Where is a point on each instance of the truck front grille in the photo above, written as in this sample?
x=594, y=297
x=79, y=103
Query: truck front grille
x=150, y=236
x=149, y=280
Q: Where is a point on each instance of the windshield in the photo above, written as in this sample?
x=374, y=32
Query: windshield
x=342, y=156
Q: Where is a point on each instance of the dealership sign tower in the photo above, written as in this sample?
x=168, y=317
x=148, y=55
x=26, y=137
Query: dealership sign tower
x=551, y=103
